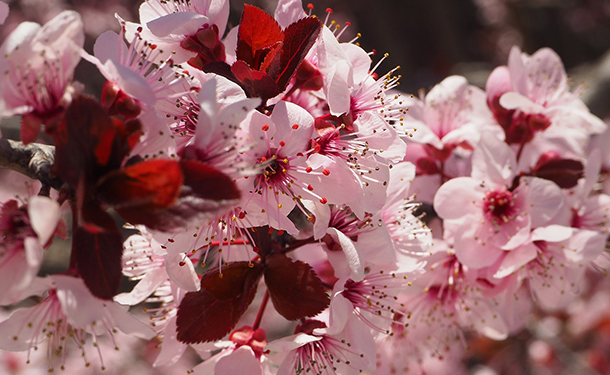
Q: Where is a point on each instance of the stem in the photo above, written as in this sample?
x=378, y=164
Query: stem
x=34, y=160
x=520, y=150
x=261, y=310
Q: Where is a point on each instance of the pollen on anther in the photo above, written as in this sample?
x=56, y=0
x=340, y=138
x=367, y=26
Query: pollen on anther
x=265, y=128
x=295, y=126
x=326, y=172
x=323, y=200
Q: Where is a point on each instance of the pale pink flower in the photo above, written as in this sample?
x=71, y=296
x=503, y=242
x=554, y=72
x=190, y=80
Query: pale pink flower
x=374, y=299
x=492, y=215
x=174, y=26
x=244, y=353
x=553, y=263
x=24, y=231
x=443, y=302
x=530, y=99
x=449, y=121
x=37, y=65
x=162, y=279
x=320, y=350
x=67, y=316
x=288, y=174
x=218, y=144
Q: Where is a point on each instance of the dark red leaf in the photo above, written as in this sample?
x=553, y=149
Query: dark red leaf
x=256, y=84
x=205, y=192
x=98, y=260
x=221, y=68
x=211, y=313
x=299, y=37
x=258, y=33
x=295, y=289
x=563, y=172
x=89, y=142
x=208, y=182
x=149, y=185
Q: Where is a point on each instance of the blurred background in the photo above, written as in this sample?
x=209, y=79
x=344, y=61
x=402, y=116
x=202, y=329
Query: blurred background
x=431, y=39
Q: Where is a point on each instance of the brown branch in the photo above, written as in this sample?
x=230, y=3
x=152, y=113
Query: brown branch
x=34, y=160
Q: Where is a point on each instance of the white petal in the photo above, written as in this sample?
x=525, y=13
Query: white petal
x=185, y=275
x=44, y=215
x=241, y=362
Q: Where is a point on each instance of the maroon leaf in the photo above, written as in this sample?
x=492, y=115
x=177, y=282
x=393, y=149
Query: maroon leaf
x=149, y=185
x=563, y=172
x=211, y=313
x=258, y=34
x=91, y=143
x=98, y=260
x=299, y=37
x=295, y=289
x=256, y=84
x=208, y=182
x=205, y=192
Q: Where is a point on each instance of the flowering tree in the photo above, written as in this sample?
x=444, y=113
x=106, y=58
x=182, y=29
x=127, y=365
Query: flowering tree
x=273, y=163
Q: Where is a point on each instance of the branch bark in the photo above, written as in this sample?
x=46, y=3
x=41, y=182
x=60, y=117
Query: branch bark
x=34, y=160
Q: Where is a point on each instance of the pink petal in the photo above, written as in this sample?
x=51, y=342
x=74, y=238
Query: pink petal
x=459, y=197
x=241, y=362
x=544, y=197
x=515, y=259
x=498, y=82
x=337, y=90
x=179, y=23
x=514, y=100
x=143, y=289
x=171, y=348
x=288, y=11
x=552, y=233
x=493, y=161
x=183, y=275
x=4, y=10
x=285, y=115
x=381, y=137
x=351, y=257
x=341, y=310
x=360, y=60
x=469, y=250
x=109, y=46
x=44, y=215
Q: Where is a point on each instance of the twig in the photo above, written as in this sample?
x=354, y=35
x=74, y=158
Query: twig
x=34, y=160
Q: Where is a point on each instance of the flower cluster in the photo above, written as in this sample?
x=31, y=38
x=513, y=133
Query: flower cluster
x=273, y=163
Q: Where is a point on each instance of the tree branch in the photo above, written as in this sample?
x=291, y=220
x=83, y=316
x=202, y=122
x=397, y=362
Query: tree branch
x=34, y=160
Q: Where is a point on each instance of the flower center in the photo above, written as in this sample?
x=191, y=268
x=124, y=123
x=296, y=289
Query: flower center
x=499, y=206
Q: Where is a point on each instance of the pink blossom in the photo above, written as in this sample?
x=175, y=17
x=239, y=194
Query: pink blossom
x=320, y=350
x=531, y=101
x=496, y=217
x=38, y=63
x=244, y=353
x=68, y=313
x=25, y=231
x=162, y=278
x=179, y=28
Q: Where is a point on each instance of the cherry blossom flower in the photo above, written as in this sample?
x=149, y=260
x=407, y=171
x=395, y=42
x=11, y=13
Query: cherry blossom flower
x=497, y=217
x=244, y=353
x=37, y=64
x=530, y=99
x=184, y=29
x=162, y=279
x=25, y=231
x=320, y=350
x=68, y=313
